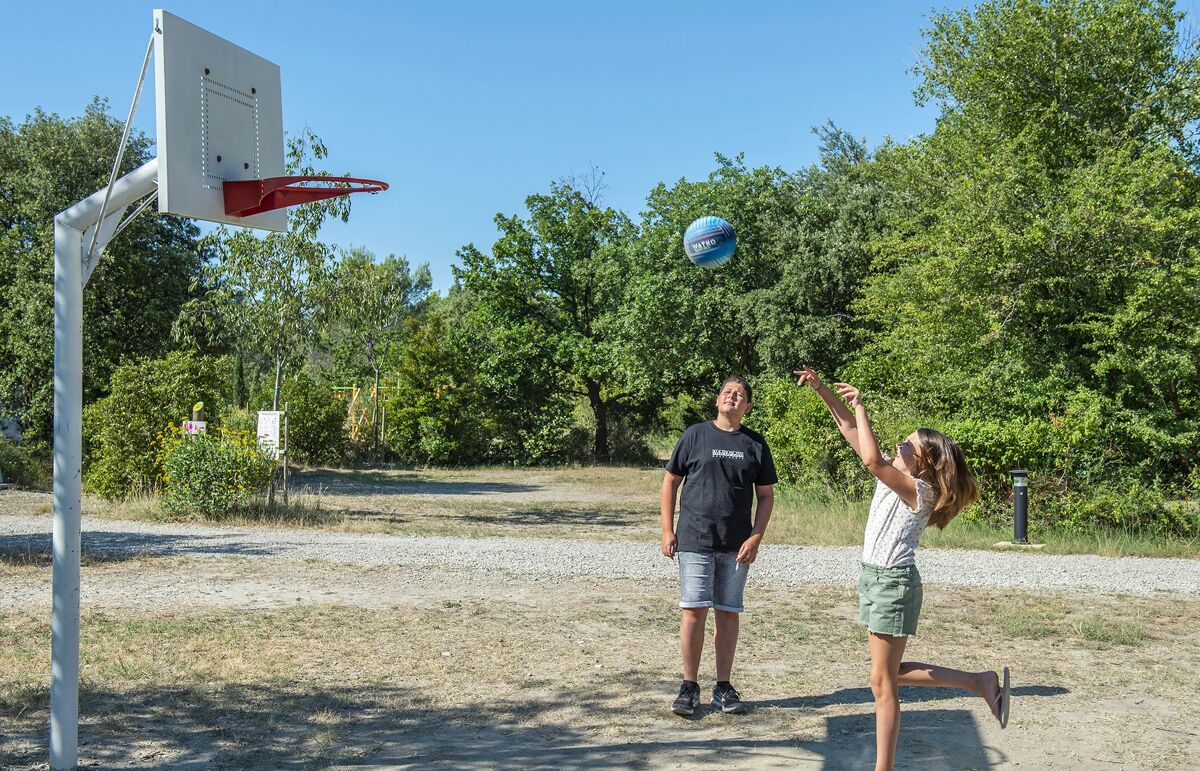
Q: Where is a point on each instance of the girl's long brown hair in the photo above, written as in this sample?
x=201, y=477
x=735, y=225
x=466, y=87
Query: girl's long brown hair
x=942, y=465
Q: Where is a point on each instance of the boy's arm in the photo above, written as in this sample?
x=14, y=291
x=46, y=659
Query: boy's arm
x=666, y=506
x=765, y=494
x=841, y=416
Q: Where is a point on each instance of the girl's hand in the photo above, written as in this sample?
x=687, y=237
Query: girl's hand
x=806, y=375
x=849, y=393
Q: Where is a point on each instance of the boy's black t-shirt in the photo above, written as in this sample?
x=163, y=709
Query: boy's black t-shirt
x=721, y=470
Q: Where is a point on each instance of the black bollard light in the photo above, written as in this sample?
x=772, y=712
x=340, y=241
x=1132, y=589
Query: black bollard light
x=1020, y=505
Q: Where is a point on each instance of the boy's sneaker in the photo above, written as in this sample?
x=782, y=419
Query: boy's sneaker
x=727, y=699
x=689, y=698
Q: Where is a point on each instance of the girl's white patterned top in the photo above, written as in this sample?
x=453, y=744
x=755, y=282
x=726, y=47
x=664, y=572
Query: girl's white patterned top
x=893, y=529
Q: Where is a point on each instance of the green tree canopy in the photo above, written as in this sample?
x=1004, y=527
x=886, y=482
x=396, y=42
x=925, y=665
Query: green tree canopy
x=48, y=164
x=268, y=289
x=555, y=283
x=365, y=307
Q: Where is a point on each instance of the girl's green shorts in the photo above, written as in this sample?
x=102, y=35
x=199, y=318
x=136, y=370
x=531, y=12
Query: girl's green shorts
x=889, y=599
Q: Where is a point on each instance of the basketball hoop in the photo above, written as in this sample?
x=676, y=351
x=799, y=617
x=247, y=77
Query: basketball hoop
x=244, y=198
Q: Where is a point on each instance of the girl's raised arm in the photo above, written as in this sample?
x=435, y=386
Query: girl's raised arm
x=842, y=416
x=868, y=449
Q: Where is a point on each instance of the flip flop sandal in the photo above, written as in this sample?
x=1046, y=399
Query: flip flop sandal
x=1005, y=700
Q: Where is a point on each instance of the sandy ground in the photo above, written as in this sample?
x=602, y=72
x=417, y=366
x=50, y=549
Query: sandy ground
x=244, y=663
x=502, y=672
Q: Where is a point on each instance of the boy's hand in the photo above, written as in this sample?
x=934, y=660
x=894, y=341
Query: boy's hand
x=849, y=393
x=668, y=545
x=806, y=375
x=749, y=551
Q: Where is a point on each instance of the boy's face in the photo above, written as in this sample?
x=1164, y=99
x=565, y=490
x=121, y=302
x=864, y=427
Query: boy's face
x=732, y=402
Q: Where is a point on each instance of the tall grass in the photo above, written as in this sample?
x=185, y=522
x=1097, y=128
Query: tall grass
x=303, y=509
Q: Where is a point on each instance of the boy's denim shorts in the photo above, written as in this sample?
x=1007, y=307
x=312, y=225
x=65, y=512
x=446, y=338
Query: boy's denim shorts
x=711, y=580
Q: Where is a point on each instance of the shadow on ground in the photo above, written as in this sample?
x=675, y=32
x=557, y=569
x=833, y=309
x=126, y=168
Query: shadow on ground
x=561, y=516
x=344, y=482
x=103, y=546
x=289, y=726
x=909, y=694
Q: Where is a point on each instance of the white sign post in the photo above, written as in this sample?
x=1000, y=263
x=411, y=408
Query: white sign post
x=268, y=432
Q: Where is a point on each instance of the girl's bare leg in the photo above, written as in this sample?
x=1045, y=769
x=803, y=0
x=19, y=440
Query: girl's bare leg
x=986, y=684
x=886, y=652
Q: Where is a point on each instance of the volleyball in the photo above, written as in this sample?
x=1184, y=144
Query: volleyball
x=709, y=242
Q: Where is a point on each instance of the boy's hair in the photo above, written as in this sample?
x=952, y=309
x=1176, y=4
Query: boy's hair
x=745, y=384
x=942, y=465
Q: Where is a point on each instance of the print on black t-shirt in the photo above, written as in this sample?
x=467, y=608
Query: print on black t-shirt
x=721, y=469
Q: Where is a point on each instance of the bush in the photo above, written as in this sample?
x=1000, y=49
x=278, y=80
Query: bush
x=808, y=449
x=123, y=431
x=212, y=475
x=316, y=421
x=24, y=465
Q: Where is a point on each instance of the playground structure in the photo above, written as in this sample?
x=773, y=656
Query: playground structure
x=359, y=403
x=219, y=120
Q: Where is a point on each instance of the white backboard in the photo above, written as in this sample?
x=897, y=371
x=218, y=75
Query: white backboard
x=220, y=117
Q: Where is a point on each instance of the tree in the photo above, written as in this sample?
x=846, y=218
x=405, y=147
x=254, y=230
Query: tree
x=804, y=249
x=268, y=288
x=1037, y=269
x=47, y=164
x=557, y=282
x=366, y=307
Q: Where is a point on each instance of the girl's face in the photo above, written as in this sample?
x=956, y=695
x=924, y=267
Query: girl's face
x=907, y=452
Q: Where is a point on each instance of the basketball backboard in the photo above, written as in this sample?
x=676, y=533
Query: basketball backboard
x=220, y=117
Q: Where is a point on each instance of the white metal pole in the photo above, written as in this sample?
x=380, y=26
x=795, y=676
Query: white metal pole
x=69, y=227
x=68, y=445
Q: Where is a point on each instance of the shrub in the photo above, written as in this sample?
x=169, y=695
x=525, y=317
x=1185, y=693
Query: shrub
x=316, y=420
x=25, y=465
x=806, y=445
x=212, y=475
x=122, y=431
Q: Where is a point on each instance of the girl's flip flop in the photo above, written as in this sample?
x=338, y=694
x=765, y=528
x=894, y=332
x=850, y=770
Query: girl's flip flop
x=1005, y=700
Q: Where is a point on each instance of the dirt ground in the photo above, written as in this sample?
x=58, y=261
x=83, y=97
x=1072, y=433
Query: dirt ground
x=261, y=664
x=313, y=665
x=593, y=503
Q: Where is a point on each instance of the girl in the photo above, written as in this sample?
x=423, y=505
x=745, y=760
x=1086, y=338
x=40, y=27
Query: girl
x=926, y=483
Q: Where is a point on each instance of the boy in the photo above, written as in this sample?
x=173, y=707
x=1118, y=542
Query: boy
x=727, y=467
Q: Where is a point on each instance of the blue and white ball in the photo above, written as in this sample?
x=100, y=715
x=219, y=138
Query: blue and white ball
x=709, y=242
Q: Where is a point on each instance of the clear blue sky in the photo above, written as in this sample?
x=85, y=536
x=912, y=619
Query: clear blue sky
x=468, y=107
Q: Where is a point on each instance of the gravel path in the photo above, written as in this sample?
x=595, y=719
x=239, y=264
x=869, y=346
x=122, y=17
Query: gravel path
x=784, y=565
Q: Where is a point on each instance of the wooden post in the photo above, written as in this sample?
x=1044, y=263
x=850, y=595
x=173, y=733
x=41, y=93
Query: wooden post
x=285, y=454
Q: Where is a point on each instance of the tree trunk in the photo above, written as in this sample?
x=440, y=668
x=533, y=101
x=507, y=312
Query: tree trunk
x=278, y=380
x=600, y=411
x=275, y=406
x=375, y=418
x=240, y=396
